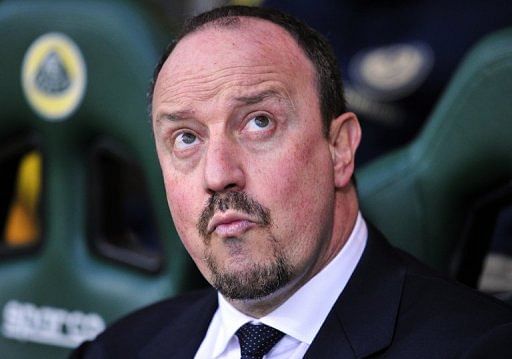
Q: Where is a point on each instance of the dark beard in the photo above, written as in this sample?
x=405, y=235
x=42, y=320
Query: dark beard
x=256, y=282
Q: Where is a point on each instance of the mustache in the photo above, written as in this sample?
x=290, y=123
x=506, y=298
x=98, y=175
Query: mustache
x=238, y=201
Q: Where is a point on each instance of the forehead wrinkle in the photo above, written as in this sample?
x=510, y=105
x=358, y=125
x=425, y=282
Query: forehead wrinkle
x=270, y=93
x=202, y=88
x=251, y=99
x=264, y=92
x=185, y=84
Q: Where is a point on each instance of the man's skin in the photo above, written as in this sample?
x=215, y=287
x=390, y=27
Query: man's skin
x=236, y=109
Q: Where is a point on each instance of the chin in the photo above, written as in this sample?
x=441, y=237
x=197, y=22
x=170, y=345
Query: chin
x=249, y=281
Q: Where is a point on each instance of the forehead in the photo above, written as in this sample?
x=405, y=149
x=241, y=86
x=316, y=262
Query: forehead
x=250, y=36
x=251, y=49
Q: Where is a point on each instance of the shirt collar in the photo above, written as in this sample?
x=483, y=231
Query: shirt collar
x=316, y=297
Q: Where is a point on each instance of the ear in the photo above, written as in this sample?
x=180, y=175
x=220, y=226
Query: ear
x=344, y=138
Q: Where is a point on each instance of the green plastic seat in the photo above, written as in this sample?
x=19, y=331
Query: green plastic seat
x=422, y=196
x=63, y=286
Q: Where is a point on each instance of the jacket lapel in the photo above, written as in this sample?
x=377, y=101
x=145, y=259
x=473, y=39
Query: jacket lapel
x=362, y=321
x=183, y=336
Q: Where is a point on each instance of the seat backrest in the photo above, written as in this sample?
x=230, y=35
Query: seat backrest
x=420, y=196
x=86, y=234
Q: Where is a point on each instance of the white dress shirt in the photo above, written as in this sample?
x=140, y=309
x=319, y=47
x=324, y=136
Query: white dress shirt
x=315, y=299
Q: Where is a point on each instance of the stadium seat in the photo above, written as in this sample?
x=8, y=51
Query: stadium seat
x=439, y=196
x=86, y=233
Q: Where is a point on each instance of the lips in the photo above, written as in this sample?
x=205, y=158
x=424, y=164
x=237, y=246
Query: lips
x=230, y=225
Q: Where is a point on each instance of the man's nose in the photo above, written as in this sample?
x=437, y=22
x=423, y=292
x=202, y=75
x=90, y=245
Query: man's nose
x=223, y=166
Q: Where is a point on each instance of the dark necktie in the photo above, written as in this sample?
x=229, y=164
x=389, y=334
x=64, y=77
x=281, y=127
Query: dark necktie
x=257, y=340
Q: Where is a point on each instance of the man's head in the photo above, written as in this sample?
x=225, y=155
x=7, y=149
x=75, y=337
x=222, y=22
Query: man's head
x=316, y=48
x=259, y=191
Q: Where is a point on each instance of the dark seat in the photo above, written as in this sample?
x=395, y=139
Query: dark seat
x=424, y=197
x=87, y=235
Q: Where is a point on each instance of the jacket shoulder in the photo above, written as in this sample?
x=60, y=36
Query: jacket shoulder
x=130, y=334
x=455, y=317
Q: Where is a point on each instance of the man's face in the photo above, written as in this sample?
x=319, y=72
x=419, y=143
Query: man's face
x=247, y=170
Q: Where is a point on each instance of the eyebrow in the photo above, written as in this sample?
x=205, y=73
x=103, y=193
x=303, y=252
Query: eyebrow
x=254, y=99
x=177, y=115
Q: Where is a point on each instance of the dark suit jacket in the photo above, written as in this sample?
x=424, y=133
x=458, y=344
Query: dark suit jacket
x=392, y=307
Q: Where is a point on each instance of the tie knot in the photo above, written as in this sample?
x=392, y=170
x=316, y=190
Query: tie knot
x=257, y=340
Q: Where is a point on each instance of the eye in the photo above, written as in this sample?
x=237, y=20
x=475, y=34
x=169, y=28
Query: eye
x=258, y=123
x=185, y=140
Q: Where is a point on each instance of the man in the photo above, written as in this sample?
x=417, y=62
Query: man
x=257, y=153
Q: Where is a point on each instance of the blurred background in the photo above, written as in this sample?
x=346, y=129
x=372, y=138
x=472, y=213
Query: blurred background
x=86, y=236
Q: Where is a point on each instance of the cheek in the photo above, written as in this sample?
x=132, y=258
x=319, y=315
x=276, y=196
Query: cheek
x=184, y=204
x=181, y=191
x=178, y=206
x=301, y=188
